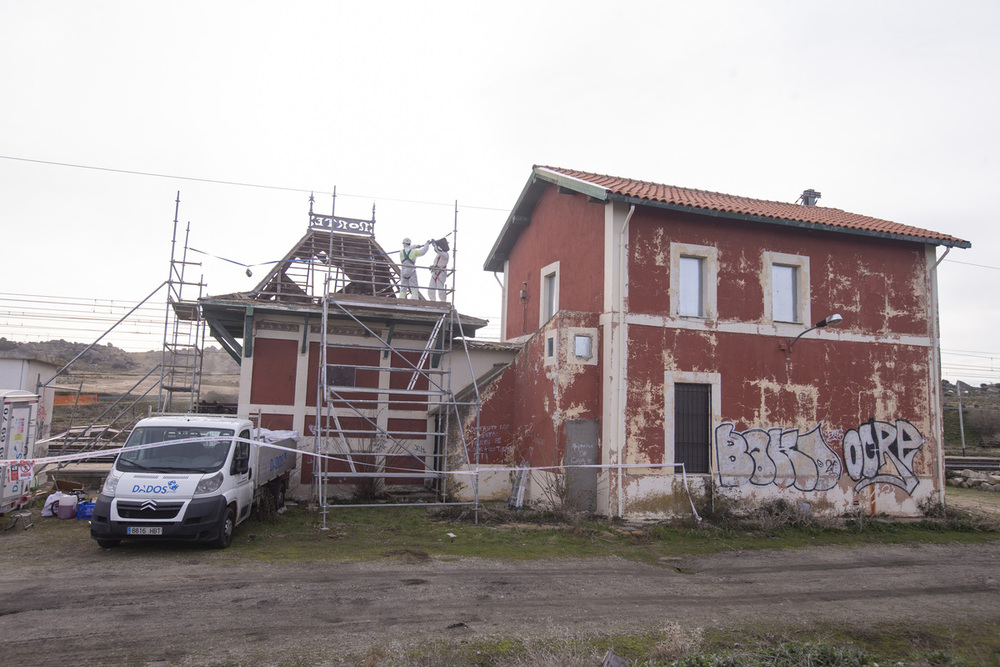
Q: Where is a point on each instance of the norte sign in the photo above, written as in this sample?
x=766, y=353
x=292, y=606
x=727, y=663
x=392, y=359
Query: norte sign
x=338, y=224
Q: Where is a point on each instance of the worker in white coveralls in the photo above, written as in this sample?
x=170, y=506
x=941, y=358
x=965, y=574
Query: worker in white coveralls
x=439, y=270
x=408, y=268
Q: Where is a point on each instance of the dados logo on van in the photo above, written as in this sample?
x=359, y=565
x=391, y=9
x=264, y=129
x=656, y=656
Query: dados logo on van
x=169, y=487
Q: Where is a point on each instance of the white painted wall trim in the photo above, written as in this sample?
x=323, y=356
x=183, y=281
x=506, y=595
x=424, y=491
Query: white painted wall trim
x=503, y=299
x=774, y=330
x=934, y=365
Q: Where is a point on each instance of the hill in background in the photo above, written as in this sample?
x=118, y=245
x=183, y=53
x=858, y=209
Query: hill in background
x=106, y=369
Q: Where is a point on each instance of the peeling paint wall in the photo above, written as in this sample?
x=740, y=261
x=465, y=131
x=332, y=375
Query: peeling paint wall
x=524, y=411
x=845, y=419
x=564, y=228
x=858, y=397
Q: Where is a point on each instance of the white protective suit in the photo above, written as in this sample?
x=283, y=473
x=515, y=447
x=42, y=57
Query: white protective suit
x=439, y=271
x=408, y=283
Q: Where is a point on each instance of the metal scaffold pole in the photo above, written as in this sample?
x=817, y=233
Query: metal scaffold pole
x=183, y=329
x=385, y=402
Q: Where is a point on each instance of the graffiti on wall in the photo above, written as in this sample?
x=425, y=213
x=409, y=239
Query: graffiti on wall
x=874, y=452
x=883, y=452
x=782, y=457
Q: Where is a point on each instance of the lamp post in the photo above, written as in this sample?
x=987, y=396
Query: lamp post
x=832, y=320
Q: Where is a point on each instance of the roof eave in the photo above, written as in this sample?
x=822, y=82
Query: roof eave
x=800, y=224
x=373, y=311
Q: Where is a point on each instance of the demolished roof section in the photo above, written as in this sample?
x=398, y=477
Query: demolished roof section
x=344, y=247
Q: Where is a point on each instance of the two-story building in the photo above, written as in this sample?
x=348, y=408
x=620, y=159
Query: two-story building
x=668, y=346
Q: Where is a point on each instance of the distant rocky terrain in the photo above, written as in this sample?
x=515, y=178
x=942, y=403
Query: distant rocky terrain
x=106, y=369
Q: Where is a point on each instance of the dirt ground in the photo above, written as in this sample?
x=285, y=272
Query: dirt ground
x=173, y=605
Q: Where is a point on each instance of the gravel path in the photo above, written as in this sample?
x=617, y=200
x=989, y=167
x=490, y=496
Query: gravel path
x=201, y=607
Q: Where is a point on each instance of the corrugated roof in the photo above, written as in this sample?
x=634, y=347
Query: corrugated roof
x=733, y=205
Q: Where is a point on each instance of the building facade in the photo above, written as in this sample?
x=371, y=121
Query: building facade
x=668, y=340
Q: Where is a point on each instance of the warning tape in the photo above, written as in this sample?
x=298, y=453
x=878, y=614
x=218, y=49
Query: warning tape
x=23, y=467
x=82, y=456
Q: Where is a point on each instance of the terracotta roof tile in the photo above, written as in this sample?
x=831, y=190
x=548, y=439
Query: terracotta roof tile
x=758, y=208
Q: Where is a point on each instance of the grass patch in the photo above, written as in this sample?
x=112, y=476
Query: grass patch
x=746, y=646
x=412, y=534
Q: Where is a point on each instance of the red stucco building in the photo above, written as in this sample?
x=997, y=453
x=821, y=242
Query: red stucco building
x=659, y=329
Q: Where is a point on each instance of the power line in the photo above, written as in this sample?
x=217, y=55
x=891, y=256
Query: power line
x=261, y=186
x=981, y=266
x=969, y=353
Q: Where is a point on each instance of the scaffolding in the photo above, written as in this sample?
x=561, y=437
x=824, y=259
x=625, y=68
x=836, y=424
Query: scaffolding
x=183, y=332
x=385, y=409
x=178, y=373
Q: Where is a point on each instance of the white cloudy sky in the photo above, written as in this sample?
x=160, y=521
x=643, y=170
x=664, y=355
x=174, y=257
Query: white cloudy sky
x=890, y=109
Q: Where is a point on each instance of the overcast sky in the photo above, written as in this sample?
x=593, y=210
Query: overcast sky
x=890, y=109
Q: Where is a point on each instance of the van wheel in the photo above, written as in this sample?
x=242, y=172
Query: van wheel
x=108, y=544
x=278, y=491
x=226, y=529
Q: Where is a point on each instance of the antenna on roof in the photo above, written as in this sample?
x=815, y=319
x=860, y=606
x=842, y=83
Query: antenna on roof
x=333, y=208
x=809, y=197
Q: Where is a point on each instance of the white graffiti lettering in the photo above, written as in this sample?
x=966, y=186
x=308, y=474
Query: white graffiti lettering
x=883, y=452
x=784, y=458
x=875, y=452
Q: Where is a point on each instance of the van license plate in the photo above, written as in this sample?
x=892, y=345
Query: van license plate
x=145, y=530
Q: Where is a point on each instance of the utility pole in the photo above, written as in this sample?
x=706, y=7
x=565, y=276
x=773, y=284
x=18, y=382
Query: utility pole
x=961, y=418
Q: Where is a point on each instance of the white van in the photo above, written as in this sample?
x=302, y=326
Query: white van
x=197, y=480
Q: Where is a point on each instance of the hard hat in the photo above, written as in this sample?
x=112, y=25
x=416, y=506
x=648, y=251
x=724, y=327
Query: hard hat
x=406, y=241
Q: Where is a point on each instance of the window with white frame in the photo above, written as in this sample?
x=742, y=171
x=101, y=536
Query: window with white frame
x=580, y=346
x=691, y=300
x=788, y=288
x=549, y=303
x=784, y=293
x=693, y=278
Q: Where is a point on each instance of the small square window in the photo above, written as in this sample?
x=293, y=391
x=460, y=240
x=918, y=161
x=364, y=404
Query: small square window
x=550, y=346
x=582, y=346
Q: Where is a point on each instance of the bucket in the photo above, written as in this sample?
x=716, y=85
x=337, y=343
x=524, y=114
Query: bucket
x=67, y=507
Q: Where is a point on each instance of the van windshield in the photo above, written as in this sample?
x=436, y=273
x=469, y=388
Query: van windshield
x=203, y=450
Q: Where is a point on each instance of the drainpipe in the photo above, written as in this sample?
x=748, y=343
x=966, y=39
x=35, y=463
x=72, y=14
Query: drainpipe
x=941, y=258
x=935, y=378
x=622, y=351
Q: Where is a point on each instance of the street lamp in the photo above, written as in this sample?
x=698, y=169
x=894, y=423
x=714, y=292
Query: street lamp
x=832, y=320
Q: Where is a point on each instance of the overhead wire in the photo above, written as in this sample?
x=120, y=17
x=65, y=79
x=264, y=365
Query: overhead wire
x=313, y=191
x=261, y=186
